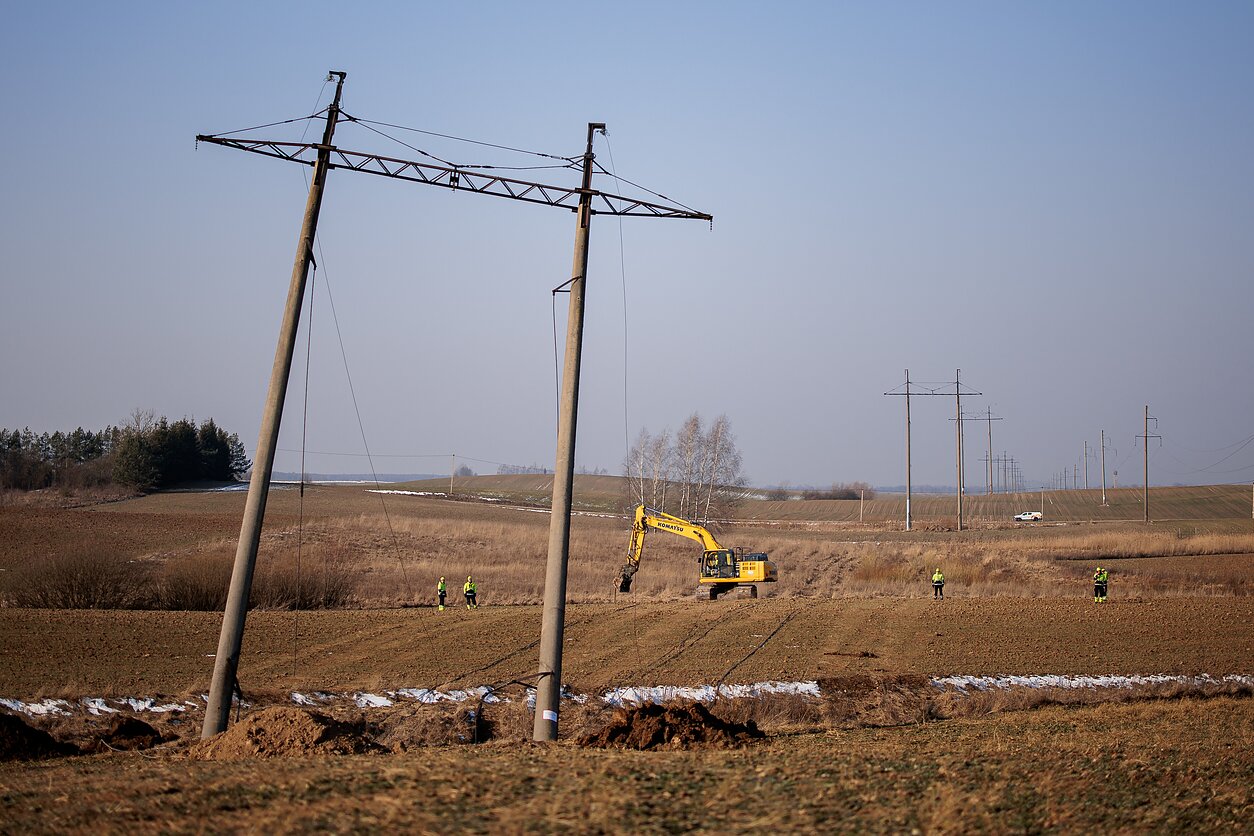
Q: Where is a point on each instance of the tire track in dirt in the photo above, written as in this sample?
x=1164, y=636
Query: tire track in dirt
x=692, y=636
x=831, y=571
x=784, y=623
x=570, y=626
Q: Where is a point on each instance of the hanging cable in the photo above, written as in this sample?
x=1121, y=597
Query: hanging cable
x=272, y=124
x=326, y=282
x=642, y=188
x=572, y=160
x=304, y=435
x=622, y=273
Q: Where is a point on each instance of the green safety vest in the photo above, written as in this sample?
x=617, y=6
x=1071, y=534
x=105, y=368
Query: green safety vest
x=1101, y=576
x=442, y=586
x=938, y=578
x=470, y=587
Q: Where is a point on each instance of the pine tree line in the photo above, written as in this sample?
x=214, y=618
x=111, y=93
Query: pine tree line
x=143, y=454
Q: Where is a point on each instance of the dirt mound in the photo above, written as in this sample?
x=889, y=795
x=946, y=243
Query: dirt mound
x=21, y=742
x=282, y=732
x=677, y=726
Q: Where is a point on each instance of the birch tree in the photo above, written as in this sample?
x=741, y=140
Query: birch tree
x=688, y=454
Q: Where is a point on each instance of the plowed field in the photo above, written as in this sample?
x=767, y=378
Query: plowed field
x=146, y=653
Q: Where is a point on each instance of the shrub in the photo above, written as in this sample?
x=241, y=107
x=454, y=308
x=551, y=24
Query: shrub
x=321, y=580
x=196, y=583
x=79, y=580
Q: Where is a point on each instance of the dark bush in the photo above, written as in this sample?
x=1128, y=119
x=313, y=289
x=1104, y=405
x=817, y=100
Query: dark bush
x=322, y=580
x=196, y=583
x=80, y=581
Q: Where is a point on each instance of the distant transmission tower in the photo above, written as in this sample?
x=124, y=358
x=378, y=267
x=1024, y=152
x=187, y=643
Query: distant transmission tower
x=1145, y=437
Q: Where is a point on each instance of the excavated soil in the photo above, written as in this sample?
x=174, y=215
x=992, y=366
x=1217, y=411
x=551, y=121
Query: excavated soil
x=22, y=742
x=677, y=726
x=284, y=732
x=126, y=734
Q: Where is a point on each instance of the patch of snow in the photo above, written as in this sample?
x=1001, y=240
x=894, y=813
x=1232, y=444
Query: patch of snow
x=430, y=696
x=407, y=493
x=42, y=708
x=96, y=705
x=631, y=696
x=149, y=704
x=371, y=701
x=985, y=683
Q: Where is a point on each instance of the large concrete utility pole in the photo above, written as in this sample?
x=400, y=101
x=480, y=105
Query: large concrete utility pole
x=226, y=663
x=585, y=201
x=553, y=625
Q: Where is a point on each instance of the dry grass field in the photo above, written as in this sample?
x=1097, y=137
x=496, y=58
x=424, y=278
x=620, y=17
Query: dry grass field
x=881, y=750
x=389, y=549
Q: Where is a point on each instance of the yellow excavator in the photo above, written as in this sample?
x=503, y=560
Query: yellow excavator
x=722, y=570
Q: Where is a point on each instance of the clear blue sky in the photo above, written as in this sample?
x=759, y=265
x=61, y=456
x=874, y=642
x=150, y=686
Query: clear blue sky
x=1056, y=198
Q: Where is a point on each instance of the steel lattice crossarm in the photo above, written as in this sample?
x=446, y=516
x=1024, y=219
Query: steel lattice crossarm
x=565, y=197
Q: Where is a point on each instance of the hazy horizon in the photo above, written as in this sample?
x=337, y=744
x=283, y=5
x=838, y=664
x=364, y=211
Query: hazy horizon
x=1055, y=199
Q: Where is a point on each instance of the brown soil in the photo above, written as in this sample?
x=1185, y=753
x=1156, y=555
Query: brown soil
x=286, y=732
x=21, y=742
x=679, y=726
x=126, y=734
x=148, y=654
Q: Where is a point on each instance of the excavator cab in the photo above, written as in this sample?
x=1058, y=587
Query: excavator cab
x=720, y=563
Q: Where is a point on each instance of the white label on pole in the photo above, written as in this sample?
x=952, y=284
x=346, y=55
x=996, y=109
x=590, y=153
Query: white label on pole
x=550, y=715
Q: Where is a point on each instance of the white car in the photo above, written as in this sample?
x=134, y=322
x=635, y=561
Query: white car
x=1028, y=516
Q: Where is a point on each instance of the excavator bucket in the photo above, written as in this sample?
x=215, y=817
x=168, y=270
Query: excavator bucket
x=624, y=578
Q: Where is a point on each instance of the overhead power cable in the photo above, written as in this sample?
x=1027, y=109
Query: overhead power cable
x=638, y=186
x=272, y=124
x=574, y=159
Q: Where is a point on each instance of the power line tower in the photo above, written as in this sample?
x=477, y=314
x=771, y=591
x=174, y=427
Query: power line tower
x=987, y=457
x=1145, y=436
x=933, y=389
x=1104, y=503
x=1086, y=465
x=584, y=201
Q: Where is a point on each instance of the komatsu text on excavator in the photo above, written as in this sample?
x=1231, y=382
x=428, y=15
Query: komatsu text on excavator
x=722, y=570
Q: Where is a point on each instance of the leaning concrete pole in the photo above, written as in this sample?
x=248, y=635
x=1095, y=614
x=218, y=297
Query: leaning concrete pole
x=226, y=663
x=549, y=686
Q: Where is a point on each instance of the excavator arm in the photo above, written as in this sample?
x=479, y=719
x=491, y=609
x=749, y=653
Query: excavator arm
x=649, y=518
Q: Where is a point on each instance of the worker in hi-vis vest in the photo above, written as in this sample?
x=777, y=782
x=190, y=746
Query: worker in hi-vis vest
x=441, y=589
x=938, y=584
x=469, y=591
x=1100, y=579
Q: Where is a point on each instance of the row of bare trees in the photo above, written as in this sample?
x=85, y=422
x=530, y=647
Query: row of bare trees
x=696, y=474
